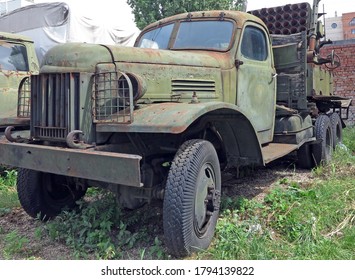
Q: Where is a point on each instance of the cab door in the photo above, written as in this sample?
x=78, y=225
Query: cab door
x=256, y=80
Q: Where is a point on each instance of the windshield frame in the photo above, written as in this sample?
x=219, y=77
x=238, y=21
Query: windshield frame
x=175, y=32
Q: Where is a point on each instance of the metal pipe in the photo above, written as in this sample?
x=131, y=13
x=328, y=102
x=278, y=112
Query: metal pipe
x=295, y=7
x=295, y=22
x=302, y=28
x=256, y=13
x=295, y=14
x=278, y=24
x=304, y=6
x=263, y=11
x=270, y=18
x=286, y=16
x=270, y=26
x=286, y=24
x=271, y=11
x=303, y=13
x=286, y=31
x=294, y=30
x=287, y=8
x=302, y=21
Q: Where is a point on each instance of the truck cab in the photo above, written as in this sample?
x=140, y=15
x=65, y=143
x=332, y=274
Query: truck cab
x=18, y=61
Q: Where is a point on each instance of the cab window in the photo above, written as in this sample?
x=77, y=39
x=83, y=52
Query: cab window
x=157, y=38
x=254, y=44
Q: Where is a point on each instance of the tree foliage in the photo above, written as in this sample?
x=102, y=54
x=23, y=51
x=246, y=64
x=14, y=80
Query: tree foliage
x=148, y=11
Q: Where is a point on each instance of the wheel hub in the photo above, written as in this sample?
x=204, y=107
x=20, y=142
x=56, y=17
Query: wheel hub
x=204, y=200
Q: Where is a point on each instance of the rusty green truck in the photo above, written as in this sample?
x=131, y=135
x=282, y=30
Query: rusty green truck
x=200, y=93
x=18, y=61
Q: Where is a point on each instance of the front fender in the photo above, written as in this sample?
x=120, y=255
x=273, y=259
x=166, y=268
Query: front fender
x=239, y=136
x=172, y=118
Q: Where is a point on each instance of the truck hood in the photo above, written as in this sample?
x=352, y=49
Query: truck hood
x=165, y=57
x=82, y=57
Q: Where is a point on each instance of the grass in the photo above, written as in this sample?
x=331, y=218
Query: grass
x=294, y=220
x=100, y=229
x=8, y=197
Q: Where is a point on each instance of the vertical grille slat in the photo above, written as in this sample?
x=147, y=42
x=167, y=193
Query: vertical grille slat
x=55, y=105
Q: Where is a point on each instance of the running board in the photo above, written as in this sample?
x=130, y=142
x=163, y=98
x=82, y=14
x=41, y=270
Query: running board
x=275, y=150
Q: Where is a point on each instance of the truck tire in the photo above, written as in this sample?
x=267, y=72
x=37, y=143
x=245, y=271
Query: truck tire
x=192, y=198
x=337, y=128
x=324, y=150
x=45, y=195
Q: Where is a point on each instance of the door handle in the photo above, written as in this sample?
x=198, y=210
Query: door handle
x=238, y=63
x=273, y=76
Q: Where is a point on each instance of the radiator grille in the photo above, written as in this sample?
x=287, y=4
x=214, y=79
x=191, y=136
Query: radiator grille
x=55, y=105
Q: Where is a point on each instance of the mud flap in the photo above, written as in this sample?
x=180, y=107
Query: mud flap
x=310, y=154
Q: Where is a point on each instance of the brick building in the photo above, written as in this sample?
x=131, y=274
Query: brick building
x=344, y=76
x=348, y=21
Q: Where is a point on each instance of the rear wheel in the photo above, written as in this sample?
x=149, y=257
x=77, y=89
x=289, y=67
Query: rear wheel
x=324, y=150
x=45, y=195
x=192, y=198
x=337, y=128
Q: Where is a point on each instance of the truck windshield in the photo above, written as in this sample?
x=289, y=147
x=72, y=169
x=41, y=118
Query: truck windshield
x=199, y=35
x=204, y=35
x=13, y=57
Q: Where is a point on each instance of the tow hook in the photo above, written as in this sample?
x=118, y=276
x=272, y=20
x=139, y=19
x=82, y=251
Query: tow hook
x=73, y=140
x=18, y=138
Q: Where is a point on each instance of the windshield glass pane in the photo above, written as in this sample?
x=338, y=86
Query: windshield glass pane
x=13, y=57
x=157, y=38
x=215, y=35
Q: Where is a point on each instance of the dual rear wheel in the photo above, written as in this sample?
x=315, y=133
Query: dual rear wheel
x=328, y=132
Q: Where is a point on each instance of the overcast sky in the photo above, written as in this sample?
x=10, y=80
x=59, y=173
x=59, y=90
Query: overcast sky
x=112, y=6
x=330, y=6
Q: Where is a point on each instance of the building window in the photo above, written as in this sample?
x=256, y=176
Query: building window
x=352, y=31
x=352, y=22
x=334, y=25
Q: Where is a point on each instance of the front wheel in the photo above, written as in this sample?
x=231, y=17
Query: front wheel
x=45, y=195
x=192, y=198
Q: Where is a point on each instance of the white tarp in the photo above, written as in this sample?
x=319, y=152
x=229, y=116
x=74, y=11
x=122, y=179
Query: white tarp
x=48, y=24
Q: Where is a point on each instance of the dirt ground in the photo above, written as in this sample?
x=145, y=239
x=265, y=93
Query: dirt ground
x=254, y=186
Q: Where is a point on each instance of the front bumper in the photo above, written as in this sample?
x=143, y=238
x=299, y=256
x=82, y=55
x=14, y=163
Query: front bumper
x=109, y=167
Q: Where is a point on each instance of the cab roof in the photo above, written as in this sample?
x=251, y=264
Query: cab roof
x=14, y=37
x=239, y=17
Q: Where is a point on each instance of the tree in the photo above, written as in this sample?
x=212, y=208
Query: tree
x=148, y=11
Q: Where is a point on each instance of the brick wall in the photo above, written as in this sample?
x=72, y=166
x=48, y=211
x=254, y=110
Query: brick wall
x=344, y=76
